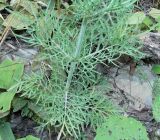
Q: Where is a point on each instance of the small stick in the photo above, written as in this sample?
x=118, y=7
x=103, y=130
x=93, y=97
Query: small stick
x=4, y=35
x=10, y=45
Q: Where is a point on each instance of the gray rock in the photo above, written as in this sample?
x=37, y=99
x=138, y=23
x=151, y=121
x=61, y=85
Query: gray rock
x=28, y=54
x=151, y=45
x=157, y=133
x=138, y=87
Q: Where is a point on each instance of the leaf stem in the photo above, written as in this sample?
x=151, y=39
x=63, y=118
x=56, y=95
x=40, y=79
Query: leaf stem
x=72, y=70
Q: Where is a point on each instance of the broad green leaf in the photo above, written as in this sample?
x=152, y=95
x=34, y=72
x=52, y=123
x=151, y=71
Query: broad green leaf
x=2, y=1
x=120, y=128
x=136, y=18
x=2, y=6
x=158, y=26
x=148, y=22
x=6, y=132
x=29, y=137
x=155, y=13
x=11, y=72
x=5, y=101
x=156, y=69
x=19, y=20
x=28, y=5
x=18, y=104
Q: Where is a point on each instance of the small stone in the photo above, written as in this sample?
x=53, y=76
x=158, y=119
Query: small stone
x=157, y=133
x=151, y=45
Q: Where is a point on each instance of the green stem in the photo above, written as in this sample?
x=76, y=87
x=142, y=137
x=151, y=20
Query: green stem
x=72, y=70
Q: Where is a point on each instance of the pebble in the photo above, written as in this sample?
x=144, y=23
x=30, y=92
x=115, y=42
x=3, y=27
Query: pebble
x=157, y=133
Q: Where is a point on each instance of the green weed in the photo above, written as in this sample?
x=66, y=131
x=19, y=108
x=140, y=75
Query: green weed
x=72, y=42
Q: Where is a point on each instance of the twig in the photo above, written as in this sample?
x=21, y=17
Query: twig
x=4, y=35
x=60, y=133
x=11, y=46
